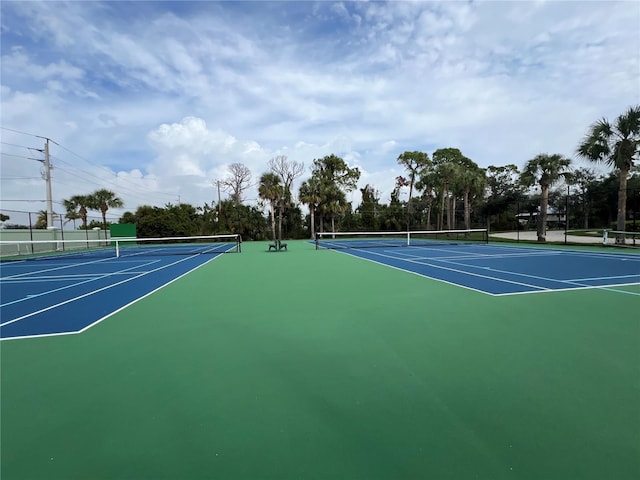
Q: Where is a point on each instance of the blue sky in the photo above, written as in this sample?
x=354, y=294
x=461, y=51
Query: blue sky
x=155, y=99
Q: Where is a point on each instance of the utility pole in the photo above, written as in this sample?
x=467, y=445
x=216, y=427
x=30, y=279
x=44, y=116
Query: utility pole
x=47, y=179
x=219, y=207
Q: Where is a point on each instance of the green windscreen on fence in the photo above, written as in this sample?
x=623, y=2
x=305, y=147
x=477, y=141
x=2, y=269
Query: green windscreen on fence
x=122, y=230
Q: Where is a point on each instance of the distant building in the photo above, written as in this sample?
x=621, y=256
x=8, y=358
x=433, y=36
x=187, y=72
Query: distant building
x=555, y=219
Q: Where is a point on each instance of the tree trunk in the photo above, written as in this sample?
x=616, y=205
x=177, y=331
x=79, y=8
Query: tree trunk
x=280, y=209
x=451, y=214
x=467, y=211
x=83, y=215
x=586, y=212
x=313, y=221
x=442, y=207
x=273, y=222
x=622, y=206
x=542, y=215
x=409, y=206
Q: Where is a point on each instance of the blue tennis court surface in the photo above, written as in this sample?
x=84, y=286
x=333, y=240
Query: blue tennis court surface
x=59, y=295
x=506, y=270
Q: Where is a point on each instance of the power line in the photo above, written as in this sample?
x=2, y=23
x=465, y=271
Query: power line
x=18, y=131
x=111, y=172
x=19, y=146
x=137, y=186
x=4, y=177
x=133, y=191
x=127, y=190
x=20, y=156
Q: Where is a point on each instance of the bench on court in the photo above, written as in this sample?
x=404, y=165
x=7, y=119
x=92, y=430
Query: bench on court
x=277, y=246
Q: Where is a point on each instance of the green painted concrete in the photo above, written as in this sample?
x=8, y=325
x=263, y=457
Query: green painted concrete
x=315, y=365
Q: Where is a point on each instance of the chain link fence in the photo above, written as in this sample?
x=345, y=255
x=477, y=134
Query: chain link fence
x=24, y=225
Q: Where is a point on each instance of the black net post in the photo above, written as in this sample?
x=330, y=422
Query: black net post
x=31, y=232
x=566, y=215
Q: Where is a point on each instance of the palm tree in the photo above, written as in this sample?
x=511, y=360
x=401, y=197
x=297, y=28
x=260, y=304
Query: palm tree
x=446, y=173
x=472, y=181
x=415, y=163
x=76, y=207
x=545, y=170
x=72, y=207
x=103, y=200
x=288, y=171
x=334, y=203
x=447, y=163
x=41, y=221
x=269, y=188
x=617, y=145
x=309, y=194
x=334, y=178
x=428, y=185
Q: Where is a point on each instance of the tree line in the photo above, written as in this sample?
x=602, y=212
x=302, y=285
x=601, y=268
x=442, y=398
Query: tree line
x=445, y=190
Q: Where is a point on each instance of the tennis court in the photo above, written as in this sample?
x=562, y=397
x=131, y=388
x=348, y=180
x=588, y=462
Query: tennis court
x=320, y=364
x=67, y=287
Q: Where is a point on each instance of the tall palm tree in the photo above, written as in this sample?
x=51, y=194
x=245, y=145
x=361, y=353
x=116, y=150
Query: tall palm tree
x=472, y=182
x=309, y=194
x=334, y=203
x=288, y=171
x=103, y=200
x=76, y=207
x=269, y=188
x=446, y=173
x=544, y=170
x=72, y=206
x=415, y=163
x=616, y=145
x=428, y=183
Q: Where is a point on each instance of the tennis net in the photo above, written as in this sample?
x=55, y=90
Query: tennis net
x=119, y=247
x=204, y=244
x=427, y=238
x=620, y=238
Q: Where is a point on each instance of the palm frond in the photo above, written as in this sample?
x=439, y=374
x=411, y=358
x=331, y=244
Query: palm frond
x=596, y=144
x=628, y=124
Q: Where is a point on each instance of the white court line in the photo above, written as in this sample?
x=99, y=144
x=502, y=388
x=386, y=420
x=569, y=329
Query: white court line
x=537, y=277
x=86, y=294
x=24, y=299
x=526, y=252
x=609, y=288
x=443, y=268
x=569, y=251
x=463, y=272
x=409, y=271
x=66, y=265
x=49, y=278
x=637, y=275
x=119, y=309
x=482, y=256
x=537, y=288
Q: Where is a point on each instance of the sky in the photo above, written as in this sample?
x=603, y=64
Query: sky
x=154, y=100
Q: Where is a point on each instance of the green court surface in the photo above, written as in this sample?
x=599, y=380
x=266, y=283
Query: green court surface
x=316, y=365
